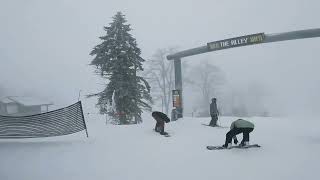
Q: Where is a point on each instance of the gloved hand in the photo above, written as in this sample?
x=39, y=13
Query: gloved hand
x=235, y=141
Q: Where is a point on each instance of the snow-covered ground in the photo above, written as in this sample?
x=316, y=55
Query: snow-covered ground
x=290, y=150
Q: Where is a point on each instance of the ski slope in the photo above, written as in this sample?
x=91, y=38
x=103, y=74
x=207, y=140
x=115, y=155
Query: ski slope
x=290, y=150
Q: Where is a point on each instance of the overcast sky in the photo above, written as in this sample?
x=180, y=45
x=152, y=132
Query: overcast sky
x=45, y=44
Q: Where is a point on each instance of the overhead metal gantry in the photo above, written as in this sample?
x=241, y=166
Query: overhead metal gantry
x=247, y=40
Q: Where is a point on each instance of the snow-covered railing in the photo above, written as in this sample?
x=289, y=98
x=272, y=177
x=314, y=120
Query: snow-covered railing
x=59, y=122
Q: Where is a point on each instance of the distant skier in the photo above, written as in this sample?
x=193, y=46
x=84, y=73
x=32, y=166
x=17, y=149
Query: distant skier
x=214, y=112
x=161, y=119
x=237, y=127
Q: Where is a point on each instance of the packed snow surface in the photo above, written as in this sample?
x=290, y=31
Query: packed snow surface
x=290, y=150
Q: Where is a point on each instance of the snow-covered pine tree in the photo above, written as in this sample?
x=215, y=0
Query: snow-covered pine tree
x=117, y=59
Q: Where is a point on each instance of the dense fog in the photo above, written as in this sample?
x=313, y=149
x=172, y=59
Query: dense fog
x=45, y=46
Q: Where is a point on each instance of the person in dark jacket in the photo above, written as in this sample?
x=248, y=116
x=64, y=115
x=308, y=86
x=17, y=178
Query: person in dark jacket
x=214, y=112
x=161, y=119
x=237, y=127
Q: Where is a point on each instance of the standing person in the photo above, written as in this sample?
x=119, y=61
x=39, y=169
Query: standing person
x=161, y=119
x=174, y=115
x=237, y=127
x=214, y=112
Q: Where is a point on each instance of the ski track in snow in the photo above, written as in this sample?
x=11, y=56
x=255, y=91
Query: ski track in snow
x=289, y=150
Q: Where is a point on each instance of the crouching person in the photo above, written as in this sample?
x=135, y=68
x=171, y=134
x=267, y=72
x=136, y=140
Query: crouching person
x=237, y=127
x=161, y=119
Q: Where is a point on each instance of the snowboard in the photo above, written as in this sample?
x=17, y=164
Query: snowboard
x=233, y=147
x=217, y=126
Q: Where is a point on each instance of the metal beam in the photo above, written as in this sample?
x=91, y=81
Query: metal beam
x=178, y=74
x=189, y=52
x=268, y=38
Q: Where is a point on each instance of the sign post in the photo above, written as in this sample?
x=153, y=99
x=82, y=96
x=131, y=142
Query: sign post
x=177, y=104
x=176, y=98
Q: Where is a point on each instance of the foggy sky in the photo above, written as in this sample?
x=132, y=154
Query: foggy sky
x=45, y=44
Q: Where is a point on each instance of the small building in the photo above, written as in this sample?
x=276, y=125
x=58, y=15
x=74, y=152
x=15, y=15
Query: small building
x=22, y=106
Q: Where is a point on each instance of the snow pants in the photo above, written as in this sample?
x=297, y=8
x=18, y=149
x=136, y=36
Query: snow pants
x=235, y=131
x=214, y=119
x=159, y=127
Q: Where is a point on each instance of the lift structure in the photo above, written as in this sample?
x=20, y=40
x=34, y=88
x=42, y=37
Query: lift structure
x=246, y=40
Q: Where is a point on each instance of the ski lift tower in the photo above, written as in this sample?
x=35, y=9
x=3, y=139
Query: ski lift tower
x=247, y=40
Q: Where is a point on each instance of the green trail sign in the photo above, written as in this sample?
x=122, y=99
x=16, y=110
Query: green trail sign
x=236, y=42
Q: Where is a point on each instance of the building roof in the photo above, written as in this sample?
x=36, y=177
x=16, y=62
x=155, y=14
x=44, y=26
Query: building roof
x=6, y=100
x=23, y=100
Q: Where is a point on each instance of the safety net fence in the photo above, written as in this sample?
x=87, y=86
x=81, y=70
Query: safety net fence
x=59, y=122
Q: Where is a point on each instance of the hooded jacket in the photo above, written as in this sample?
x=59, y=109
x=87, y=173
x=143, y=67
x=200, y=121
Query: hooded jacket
x=240, y=123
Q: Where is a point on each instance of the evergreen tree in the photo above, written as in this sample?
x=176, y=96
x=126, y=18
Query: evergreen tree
x=118, y=60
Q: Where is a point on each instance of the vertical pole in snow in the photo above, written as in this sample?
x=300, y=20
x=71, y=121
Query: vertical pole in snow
x=79, y=95
x=84, y=122
x=178, y=83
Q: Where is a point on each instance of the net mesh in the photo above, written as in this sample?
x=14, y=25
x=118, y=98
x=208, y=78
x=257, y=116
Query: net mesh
x=59, y=122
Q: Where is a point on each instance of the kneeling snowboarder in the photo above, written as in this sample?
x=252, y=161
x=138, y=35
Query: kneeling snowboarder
x=161, y=119
x=237, y=127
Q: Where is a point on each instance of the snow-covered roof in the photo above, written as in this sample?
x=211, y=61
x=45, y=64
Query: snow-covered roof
x=6, y=100
x=26, y=101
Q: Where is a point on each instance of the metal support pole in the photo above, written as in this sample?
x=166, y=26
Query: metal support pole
x=84, y=122
x=178, y=83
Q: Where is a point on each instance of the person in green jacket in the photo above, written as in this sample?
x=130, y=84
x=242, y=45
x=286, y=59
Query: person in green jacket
x=237, y=127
